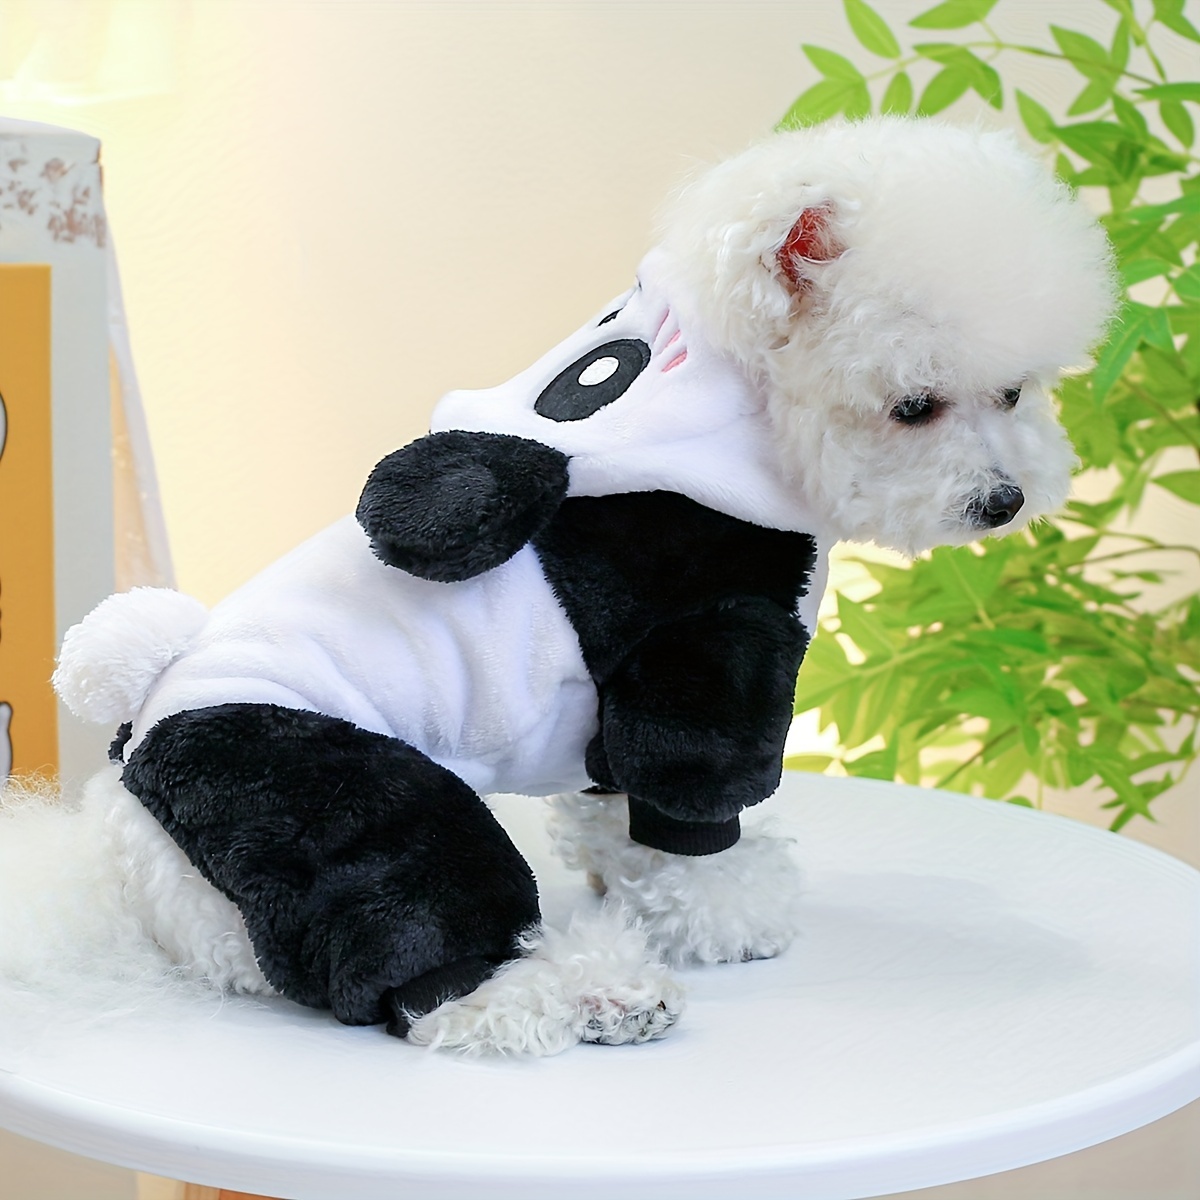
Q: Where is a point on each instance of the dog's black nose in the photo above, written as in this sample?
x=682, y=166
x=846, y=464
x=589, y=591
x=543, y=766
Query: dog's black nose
x=1000, y=506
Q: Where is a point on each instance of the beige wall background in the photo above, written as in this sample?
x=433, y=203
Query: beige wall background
x=329, y=212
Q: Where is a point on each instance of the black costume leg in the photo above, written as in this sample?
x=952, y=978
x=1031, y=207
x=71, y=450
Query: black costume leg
x=693, y=723
x=372, y=881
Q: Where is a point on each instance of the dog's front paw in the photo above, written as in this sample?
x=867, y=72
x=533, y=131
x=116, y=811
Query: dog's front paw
x=619, y=1017
x=596, y=982
x=733, y=906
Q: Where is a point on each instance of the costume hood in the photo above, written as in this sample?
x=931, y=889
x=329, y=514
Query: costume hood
x=639, y=400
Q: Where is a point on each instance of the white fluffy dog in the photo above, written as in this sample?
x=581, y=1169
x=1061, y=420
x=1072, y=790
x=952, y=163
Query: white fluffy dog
x=871, y=317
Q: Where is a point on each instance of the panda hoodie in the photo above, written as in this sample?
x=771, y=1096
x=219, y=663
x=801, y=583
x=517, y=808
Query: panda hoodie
x=648, y=492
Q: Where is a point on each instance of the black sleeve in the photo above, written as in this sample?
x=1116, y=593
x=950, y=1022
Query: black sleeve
x=692, y=723
x=455, y=504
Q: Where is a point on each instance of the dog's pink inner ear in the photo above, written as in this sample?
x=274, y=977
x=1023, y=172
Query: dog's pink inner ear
x=809, y=240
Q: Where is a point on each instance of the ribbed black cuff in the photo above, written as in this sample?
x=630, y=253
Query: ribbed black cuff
x=655, y=829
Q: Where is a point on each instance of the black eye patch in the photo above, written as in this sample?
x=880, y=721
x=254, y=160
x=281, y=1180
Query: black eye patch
x=597, y=378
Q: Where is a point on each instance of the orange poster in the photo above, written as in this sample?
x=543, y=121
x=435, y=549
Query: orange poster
x=28, y=713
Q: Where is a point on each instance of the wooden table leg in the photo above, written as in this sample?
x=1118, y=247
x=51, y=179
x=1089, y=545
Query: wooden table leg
x=198, y=1191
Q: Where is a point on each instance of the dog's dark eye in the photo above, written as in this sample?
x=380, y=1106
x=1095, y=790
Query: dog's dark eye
x=1010, y=396
x=916, y=410
x=591, y=382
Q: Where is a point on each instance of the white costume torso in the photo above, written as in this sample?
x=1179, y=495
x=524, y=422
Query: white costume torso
x=484, y=676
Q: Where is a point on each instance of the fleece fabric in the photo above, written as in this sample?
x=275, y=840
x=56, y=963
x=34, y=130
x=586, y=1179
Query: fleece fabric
x=485, y=674
x=593, y=573
x=677, y=415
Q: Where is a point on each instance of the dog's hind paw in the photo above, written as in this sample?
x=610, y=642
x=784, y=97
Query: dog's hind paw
x=594, y=983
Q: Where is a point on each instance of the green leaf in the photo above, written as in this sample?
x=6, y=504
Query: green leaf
x=807, y=762
x=899, y=95
x=1085, y=54
x=1184, y=232
x=1038, y=121
x=1075, y=674
x=1122, y=195
x=1170, y=13
x=1091, y=98
x=1171, y=91
x=1157, y=331
x=1129, y=116
x=989, y=87
x=1187, y=283
x=980, y=76
x=948, y=54
x=858, y=103
x=1155, y=212
x=1184, y=484
x=871, y=29
x=942, y=91
x=879, y=764
x=1124, y=7
x=864, y=629
x=1064, y=168
x=1102, y=142
x=1130, y=328
x=1178, y=120
x=1119, y=54
x=953, y=14
x=1138, y=270
x=831, y=65
x=983, y=702
x=820, y=102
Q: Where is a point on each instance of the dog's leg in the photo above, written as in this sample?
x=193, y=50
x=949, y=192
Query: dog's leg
x=201, y=930
x=376, y=883
x=371, y=880
x=595, y=982
x=728, y=907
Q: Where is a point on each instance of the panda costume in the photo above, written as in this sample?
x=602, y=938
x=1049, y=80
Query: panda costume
x=601, y=574
x=594, y=575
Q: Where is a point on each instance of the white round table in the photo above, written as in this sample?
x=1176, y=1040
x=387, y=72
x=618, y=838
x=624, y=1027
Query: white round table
x=977, y=987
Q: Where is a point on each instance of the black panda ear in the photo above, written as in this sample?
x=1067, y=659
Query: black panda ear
x=810, y=240
x=455, y=504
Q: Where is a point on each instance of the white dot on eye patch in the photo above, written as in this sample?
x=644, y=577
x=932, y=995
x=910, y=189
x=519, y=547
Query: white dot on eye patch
x=598, y=371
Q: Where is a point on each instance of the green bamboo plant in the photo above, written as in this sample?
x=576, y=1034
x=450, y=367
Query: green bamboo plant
x=1038, y=660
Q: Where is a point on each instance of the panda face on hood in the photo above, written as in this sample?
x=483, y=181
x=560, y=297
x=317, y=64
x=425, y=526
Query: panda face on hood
x=639, y=400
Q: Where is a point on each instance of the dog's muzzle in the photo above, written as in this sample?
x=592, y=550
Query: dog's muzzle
x=997, y=508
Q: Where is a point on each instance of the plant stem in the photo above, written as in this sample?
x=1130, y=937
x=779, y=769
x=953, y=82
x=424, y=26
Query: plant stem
x=1039, y=52
x=985, y=620
x=1141, y=550
x=977, y=755
x=1146, y=398
x=1150, y=52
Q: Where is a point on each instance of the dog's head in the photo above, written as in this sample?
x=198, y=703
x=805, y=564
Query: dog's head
x=907, y=293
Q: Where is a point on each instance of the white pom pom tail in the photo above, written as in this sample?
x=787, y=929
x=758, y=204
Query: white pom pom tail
x=110, y=660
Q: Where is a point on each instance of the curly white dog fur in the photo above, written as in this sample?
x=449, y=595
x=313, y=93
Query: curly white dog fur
x=594, y=982
x=730, y=907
